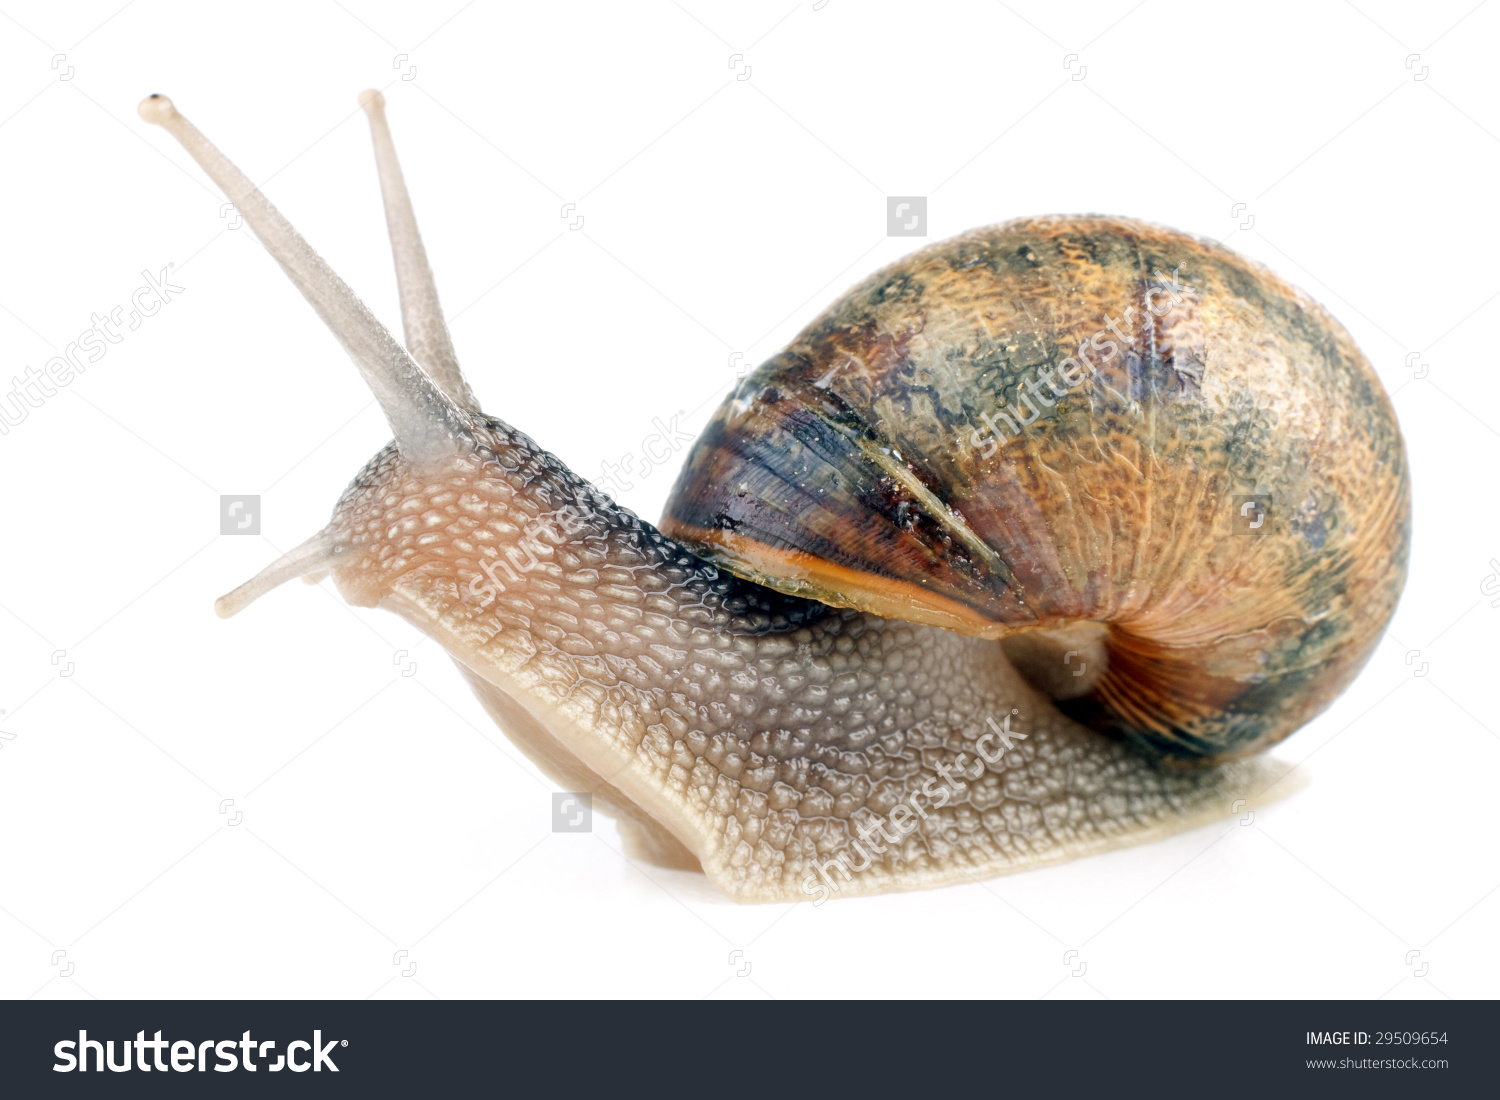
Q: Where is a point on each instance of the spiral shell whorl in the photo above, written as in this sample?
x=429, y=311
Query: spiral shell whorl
x=864, y=466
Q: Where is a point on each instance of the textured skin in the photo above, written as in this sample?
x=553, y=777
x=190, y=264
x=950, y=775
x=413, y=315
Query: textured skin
x=858, y=467
x=738, y=728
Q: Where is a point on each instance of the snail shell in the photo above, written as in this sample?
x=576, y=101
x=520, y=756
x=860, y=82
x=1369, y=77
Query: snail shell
x=1088, y=437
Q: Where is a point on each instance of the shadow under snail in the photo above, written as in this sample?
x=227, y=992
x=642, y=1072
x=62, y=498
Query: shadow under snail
x=1021, y=550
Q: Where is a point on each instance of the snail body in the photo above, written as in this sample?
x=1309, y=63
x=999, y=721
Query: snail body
x=944, y=590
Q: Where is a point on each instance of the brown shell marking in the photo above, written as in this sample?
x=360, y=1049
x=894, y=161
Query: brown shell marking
x=861, y=467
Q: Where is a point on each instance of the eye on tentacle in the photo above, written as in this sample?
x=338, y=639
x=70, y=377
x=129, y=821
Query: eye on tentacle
x=317, y=555
x=427, y=336
x=428, y=425
x=428, y=406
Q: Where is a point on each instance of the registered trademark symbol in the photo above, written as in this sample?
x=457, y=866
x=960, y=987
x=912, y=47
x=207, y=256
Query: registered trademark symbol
x=343, y=1042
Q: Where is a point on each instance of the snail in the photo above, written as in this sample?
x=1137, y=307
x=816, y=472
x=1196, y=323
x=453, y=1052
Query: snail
x=1026, y=548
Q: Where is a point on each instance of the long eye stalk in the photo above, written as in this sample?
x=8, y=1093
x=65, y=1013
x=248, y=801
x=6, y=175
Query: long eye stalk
x=421, y=316
x=429, y=425
x=428, y=409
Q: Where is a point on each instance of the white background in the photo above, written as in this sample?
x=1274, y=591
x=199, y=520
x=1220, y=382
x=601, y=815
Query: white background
x=725, y=200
